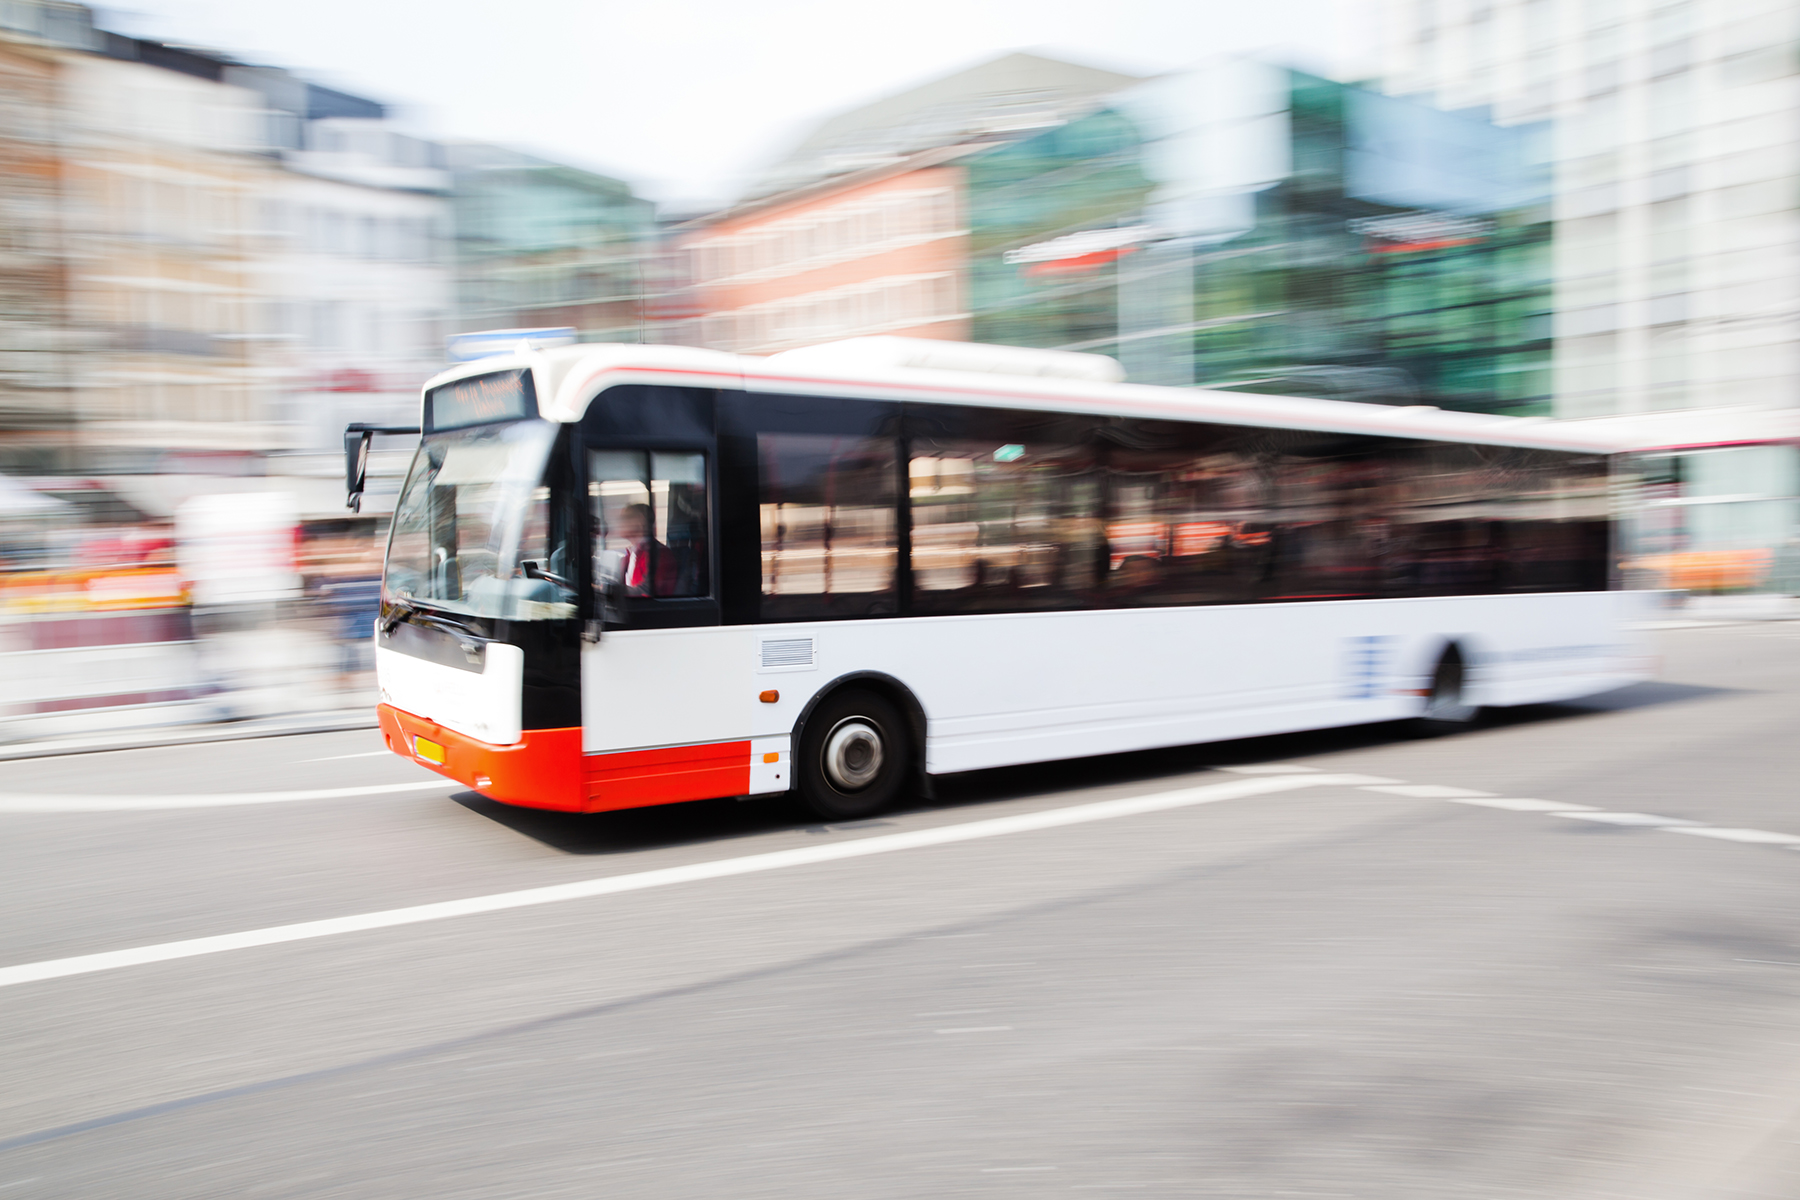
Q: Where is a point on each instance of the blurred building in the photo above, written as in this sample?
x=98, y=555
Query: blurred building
x=1053, y=216
x=1238, y=225
x=1307, y=237
x=879, y=252
x=207, y=261
x=351, y=260
x=161, y=176
x=36, y=393
x=540, y=244
x=1676, y=272
x=862, y=229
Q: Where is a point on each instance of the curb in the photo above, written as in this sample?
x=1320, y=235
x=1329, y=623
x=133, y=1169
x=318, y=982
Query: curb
x=194, y=735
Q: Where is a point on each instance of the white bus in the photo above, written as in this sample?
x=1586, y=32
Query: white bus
x=632, y=575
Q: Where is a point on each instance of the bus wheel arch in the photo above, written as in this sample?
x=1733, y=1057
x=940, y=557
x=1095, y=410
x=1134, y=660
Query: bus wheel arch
x=1446, y=706
x=823, y=706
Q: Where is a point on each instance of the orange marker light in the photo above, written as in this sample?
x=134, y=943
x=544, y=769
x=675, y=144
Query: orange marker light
x=769, y=697
x=772, y=756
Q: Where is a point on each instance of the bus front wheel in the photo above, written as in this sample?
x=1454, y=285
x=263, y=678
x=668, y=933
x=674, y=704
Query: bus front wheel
x=854, y=756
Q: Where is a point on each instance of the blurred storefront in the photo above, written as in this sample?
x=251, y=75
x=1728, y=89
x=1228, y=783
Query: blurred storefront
x=1710, y=498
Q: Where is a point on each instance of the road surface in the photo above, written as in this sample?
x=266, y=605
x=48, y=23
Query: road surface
x=1557, y=956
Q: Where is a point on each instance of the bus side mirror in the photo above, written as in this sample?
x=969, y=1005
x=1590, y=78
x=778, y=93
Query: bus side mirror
x=356, y=458
x=356, y=465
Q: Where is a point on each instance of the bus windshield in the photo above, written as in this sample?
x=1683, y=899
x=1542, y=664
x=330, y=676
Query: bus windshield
x=475, y=532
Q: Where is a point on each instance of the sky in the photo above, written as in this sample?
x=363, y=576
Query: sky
x=687, y=99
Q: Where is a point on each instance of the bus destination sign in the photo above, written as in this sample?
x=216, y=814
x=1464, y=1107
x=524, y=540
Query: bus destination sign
x=482, y=400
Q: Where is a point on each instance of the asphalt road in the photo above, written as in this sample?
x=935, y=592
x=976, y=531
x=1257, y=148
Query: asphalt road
x=1249, y=984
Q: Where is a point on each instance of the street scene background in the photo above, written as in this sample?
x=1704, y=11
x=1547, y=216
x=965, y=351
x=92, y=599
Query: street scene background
x=214, y=260
x=246, y=950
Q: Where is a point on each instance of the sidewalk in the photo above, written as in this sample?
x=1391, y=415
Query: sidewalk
x=263, y=684
x=329, y=721
x=1699, y=611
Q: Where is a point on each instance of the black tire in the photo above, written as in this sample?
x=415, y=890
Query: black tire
x=1445, y=711
x=855, y=756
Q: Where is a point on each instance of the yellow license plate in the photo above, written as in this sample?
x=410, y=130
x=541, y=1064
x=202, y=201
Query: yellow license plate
x=428, y=750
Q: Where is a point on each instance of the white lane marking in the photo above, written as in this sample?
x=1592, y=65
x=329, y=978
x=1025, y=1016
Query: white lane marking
x=76, y=804
x=1427, y=791
x=341, y=757
x=1646, y=820
x=956, y=1012
x=940, y=835
x=979, y=1029
x=1762, y=836
x=1269, y=769
x=1512, y=805
x=1649, y=821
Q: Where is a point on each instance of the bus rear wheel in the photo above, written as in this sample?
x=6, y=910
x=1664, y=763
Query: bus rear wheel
x=855, y=753
x=1446, y=711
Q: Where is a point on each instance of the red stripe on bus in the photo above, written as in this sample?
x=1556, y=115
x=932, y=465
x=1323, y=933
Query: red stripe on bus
x=667, y=775
x=546, y=768
x=541, y=770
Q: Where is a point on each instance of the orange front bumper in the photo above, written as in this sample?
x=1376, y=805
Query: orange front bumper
x=542, y=771
x=547, y=769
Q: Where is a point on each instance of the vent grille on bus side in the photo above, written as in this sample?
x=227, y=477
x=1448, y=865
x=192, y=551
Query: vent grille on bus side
x=787, y=652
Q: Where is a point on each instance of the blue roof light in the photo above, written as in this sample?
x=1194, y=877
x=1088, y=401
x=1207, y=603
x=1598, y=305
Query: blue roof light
x=467, y=347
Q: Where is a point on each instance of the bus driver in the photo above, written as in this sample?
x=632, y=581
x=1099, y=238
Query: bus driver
x=646, y=566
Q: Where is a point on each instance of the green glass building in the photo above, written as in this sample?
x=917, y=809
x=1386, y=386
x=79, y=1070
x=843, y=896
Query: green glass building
x=1245, y=226
x=540, y=243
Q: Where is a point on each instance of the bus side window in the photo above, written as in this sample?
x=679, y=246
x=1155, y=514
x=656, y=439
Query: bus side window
x=1000, y=526
x=1183, y=520
x=648, y=511
x=826, y=504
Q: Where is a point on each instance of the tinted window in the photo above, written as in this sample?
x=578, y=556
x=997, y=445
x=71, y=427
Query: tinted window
x=648, y=510
x=826, y=507
x=1558, y=515
x=1185, y=515
x=1006, y=512
x=1327, y=525
x=1471, y=520
x=808, y=508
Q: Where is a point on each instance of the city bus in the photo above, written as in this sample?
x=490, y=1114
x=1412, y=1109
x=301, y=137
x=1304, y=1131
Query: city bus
x=624, y=575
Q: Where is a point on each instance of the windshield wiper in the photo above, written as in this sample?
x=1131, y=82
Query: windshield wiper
x=403, y=609
x=398, y=608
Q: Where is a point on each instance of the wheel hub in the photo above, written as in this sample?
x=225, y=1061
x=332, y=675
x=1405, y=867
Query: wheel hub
x=853, y=754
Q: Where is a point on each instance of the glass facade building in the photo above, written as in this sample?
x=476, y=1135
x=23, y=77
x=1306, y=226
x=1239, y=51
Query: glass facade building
x=1245, y=226
x=543, y=244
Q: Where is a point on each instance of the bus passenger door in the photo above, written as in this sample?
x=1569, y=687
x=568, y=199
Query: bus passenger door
x=664, y=710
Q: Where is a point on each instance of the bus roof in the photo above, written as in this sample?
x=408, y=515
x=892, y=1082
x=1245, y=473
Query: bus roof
x=569, y=377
